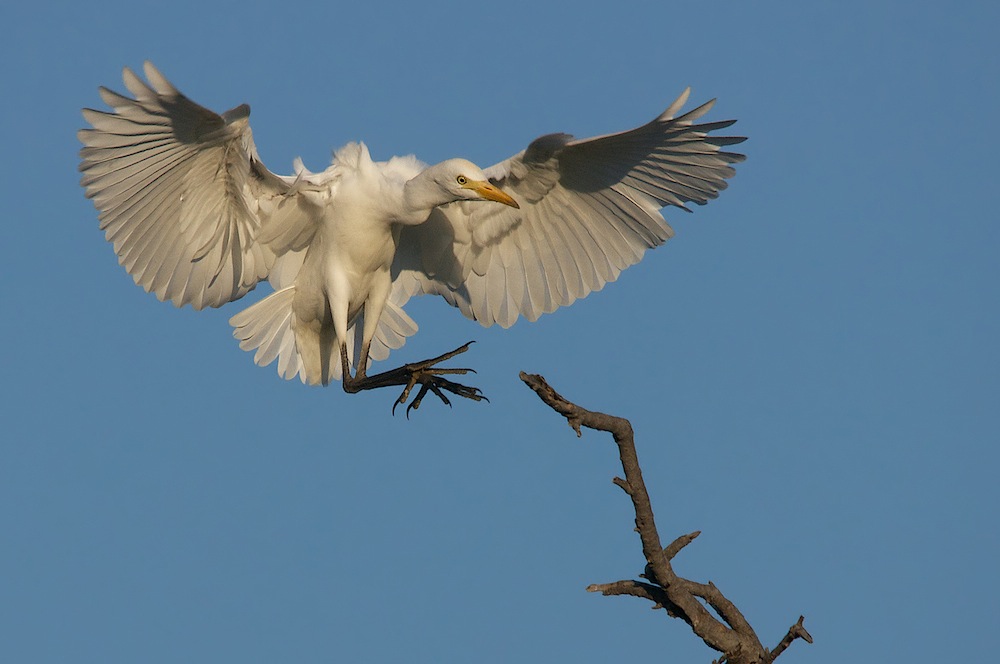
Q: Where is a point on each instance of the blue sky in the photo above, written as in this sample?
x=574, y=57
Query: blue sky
x=811, y=364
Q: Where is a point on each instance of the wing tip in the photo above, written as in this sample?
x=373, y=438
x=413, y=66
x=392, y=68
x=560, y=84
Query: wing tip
x=159, y=82
x=241, y=112
x=675, y=106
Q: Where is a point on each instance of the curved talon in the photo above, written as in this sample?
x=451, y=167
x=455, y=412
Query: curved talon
x=401, y=399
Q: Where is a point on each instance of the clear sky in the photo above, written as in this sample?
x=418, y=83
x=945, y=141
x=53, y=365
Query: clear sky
x=811, y=364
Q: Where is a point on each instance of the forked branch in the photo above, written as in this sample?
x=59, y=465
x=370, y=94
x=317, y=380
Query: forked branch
x=726, y=630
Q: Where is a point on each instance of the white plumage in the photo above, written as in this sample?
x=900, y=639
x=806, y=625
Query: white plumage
x=196, y=218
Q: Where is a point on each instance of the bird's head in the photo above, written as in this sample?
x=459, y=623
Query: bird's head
x=461, y=180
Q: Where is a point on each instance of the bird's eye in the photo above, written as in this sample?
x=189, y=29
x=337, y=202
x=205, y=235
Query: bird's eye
x=462, y=180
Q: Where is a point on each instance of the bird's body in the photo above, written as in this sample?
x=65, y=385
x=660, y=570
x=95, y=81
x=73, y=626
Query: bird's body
x=196, y=218
x=346, y=268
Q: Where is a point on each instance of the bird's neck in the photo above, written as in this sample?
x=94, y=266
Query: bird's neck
x=420, y=197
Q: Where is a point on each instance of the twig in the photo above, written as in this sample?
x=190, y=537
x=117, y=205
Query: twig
x=675, y=547
x=796, y=631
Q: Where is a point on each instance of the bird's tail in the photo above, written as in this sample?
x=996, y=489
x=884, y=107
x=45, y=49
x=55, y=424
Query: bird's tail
x=310, y=349
x=267, y=328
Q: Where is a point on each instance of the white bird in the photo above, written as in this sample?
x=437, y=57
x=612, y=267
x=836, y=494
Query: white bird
x=196, y=218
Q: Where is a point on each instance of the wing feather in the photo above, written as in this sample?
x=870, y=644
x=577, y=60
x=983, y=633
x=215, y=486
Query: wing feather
x=180, y=190
x=566, y=250
x=536, y=283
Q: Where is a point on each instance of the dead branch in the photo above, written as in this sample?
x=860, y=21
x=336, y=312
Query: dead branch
x=729, y=633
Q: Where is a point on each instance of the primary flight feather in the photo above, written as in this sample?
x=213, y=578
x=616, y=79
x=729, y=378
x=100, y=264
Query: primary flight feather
x=196, y=218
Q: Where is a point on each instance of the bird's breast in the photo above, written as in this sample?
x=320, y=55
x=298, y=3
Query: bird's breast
x=358, y=244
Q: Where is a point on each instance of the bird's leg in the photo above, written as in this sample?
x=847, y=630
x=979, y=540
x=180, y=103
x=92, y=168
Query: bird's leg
x=361, y=371
x=353, y=384
x=430, y=377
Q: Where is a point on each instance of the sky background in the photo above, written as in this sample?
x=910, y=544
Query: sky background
x=810, y=365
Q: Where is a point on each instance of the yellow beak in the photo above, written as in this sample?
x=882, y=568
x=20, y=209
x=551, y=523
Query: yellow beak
x=491, y=193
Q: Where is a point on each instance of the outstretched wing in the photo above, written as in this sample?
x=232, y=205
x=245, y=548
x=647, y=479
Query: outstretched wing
x=181, y=192
x=589, y=209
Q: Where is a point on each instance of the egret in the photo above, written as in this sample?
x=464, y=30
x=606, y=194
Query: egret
x=196, y=218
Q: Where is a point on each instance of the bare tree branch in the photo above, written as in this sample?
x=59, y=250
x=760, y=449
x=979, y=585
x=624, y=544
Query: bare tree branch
x=732, y=635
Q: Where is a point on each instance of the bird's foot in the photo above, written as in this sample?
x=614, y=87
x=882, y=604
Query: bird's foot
x=427, y=375
x=431, y=379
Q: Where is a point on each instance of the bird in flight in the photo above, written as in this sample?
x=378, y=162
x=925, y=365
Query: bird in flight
x=196, y=218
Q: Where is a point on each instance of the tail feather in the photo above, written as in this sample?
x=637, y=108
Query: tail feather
x=393, y=328
x=310, y=349
x=267, y=328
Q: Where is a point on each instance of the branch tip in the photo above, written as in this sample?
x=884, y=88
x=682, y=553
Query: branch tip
x=675, y=547
x=623, y=485
x=796, y=631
